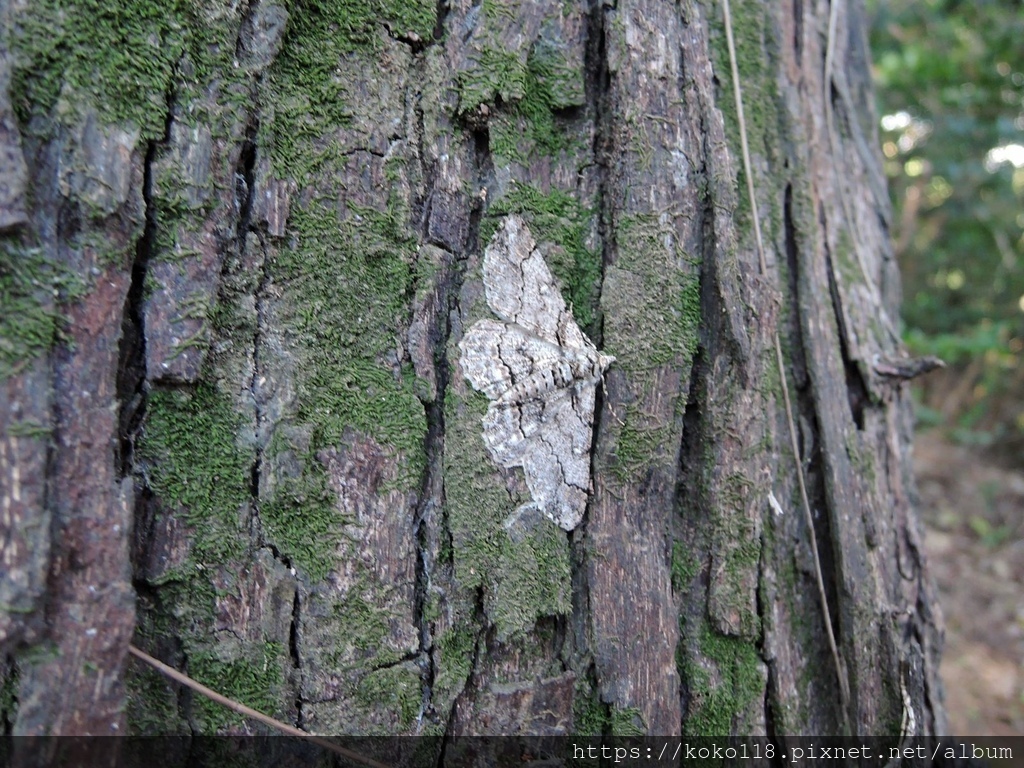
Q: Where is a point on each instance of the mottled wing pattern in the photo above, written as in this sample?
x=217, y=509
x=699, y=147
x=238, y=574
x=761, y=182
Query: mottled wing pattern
x=496, y=355
x=520, y=288
x=557, y=464
x=550, y=439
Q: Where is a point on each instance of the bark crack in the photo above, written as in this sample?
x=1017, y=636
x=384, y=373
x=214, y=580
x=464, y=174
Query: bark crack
x=428, y=522
x=432, y=479
x=132, y=382
x=597, y=90
x=810, y=431
x=296, y=657
x=856, y=387
x=132, y=374
x=245, y=183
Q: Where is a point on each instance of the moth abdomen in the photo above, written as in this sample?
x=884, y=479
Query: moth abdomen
x=559, y=375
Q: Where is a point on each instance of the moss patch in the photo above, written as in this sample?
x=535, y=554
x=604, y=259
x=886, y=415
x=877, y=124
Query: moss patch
x=497, y=73
x=685, y=567
x=525, y=578
x=456, y=651
x=364, y=625
x=208, y=477
x=30, y=322
x=255, y=681
x=118, y=58
x=653, y=295
x=151, y=703
x=346, y=288
x=666, y=300
x=760, y=91
x=9, y=682
x=529, y=125
x=302, y=519
x=306, y=85
x=348, y=285
x=724, y=681
x=394, y=693
x=736, y=553
x=592, y=717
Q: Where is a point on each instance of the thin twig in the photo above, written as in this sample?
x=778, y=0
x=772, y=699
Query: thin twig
x=241, y=709
x=794, y=444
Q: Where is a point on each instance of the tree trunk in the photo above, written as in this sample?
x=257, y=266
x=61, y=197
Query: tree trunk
x=242, y=243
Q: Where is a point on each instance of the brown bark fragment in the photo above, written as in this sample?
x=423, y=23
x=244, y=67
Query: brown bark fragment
x=91, y=606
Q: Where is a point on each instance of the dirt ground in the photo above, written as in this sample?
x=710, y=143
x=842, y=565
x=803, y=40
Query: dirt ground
x=973, y=511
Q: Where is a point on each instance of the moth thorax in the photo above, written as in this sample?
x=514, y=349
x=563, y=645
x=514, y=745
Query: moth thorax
x=563, y=374
x=585, y=364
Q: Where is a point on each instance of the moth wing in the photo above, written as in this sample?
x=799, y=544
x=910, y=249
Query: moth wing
x=508, y=430
x=494, y=355
x=550, y=439
x=520, y=288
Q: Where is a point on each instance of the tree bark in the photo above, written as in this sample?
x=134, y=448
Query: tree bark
x=242, y=242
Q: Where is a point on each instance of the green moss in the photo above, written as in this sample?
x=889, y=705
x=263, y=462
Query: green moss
x=394, y=691
x=752, y=35
x=364, y=625
x=29, y=429
x=346, y=287
x=861, y=459
x=844, y=261
x=310, y=96
x=456, y=648
x=255, y=681
x=724, y=683
x=590, y=714
x=9, y=683
x=639, y=441
x=174, y=213
x=652, y=299
x=627, y=722
x=32, y=286
x=208, y=481
x=496, y=73
x=528, y=126
x=560, y=80
x=685, y=567
x=302, y=519
x=208, y=478
x=118, y=58
x=750, y=31
x=151, y=703
x=592, y=717
x=532, y=578
x=663, y=296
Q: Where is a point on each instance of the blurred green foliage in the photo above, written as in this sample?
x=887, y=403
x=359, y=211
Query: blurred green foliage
x=950, y=81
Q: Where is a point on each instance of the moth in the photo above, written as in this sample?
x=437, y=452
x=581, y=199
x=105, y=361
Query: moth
x=540, y=373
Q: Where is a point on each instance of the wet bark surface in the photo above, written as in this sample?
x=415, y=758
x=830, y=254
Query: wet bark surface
x=236, y=266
